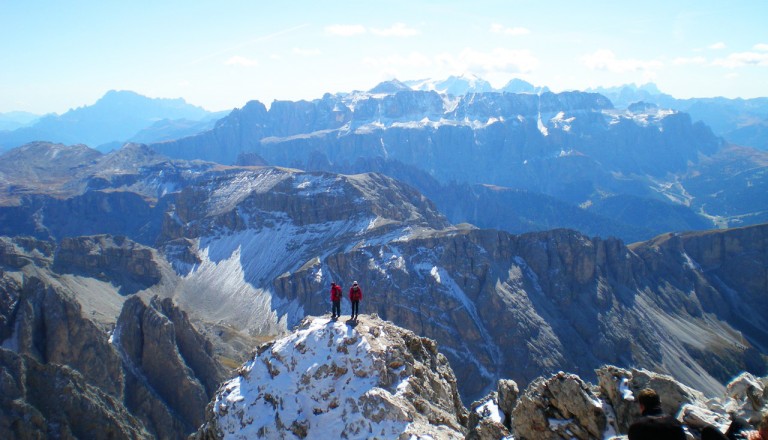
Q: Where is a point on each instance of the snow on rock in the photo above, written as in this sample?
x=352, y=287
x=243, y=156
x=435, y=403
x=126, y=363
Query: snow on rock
x=563, y=404
x=331, y=379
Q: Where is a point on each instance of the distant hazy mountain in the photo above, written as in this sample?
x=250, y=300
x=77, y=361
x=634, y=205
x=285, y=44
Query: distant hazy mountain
x=464, y=84
x=453, y=85
x=520, y=86
x=390, y=87
x=751, y=135
x=740, y=121
x=116, y=117
x=14, y=120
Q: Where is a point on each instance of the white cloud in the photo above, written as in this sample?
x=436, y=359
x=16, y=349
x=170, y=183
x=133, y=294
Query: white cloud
x=682, y=61
x=497, y=60
x=604, y=59
x=741, y=59
x=716, y=46
x=761, y=46
x=238, y=60
x=486, y=64
x=396, y=30
x=306, y=52
x=515, y=31
x=414, y=59
x=345, y=30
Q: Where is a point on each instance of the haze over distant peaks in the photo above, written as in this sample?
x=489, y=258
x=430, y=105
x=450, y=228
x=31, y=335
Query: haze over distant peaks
x=453, y=85
x=114, y=118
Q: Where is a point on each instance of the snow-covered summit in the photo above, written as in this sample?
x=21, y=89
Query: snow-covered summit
x=453, y=85
x=331, y=379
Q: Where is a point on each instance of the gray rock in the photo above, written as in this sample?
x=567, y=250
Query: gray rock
x=373, y=380
x=562, y=406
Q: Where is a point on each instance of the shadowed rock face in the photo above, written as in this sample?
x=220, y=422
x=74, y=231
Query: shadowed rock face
x=63, y=372
x=159, y=345
x=513, y=306
x=107, y=258
x=48, y=400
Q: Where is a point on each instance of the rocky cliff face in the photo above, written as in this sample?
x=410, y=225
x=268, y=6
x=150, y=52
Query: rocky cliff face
x=329, y=379
x=47, y=400
x=116, y=259
x=577, y=303
x=573, y=147
x=250, y=251
x=63, y=373
x=168, y=358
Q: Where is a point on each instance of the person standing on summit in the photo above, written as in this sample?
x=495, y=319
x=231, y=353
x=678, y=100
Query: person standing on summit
x=335, y=300
x=355, y=295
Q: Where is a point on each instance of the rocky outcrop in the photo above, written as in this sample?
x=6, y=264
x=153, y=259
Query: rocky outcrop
x=49, y=400
x=375, y=380
x=519, y=305
x=64, y=374
x=164, y=353
x=116, y=259
x=559, y=407
x=563, y=406
x=366, y=379
x=50, y=328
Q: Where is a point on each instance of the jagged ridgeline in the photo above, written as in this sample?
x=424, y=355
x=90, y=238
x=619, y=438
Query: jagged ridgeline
x=236, y=255
x=515, y=162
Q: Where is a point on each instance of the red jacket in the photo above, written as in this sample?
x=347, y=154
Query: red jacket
x=355, y=293
x=335, y=292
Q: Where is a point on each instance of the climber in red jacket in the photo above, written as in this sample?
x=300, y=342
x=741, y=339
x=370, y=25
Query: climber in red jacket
x=355, y=295
x=335, y=300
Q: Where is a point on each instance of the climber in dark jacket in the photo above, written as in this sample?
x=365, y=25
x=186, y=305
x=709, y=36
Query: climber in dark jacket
x=654, y=424
x=335, y=300
x=355, y=295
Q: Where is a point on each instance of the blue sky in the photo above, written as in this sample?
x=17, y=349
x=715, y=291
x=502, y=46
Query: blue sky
x=57, y=55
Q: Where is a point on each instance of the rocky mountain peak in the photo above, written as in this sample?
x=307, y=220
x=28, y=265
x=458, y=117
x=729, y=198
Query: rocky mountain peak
x=331, y=379
x=391, y=86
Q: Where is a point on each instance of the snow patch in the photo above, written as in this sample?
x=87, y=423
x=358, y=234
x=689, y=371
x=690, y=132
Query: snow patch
x=325, y=401
x=490, y=409
x=626, y=392
x=540, y=125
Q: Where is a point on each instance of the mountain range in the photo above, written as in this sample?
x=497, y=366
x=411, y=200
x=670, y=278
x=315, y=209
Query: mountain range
x=253, y=249
x=134, y=282
x=518, y=162
x=116, y=118
x=371, y=379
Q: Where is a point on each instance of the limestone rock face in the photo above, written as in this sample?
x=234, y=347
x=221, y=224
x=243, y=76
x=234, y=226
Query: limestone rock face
x=560, y=407
x=54, y=401
x=487, y=420
x=159, y=345
x=115, y=259
x=332, y=380
x=51, y=329
x=64, y=375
